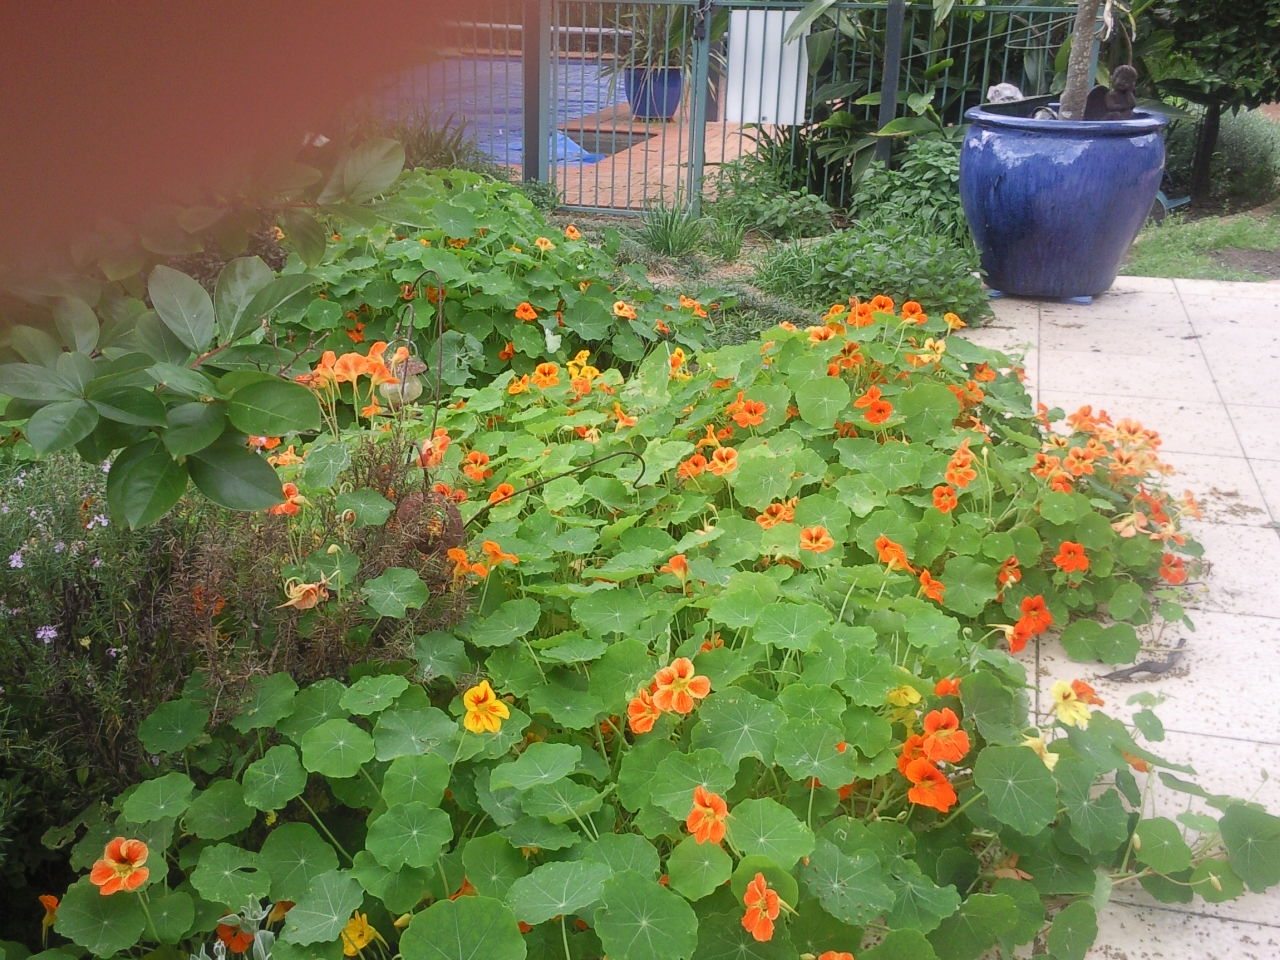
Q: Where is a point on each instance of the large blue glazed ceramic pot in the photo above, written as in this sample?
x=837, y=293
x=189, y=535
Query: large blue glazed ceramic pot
x=653, y=92
x=1053, y=205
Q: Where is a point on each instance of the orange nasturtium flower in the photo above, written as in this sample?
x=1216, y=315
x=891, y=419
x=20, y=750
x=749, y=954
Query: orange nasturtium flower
x=493, y=550
x=933, y=589
x=572, y=233
x=1086, y=693
x=947, y=687
x=624, y=419
x=304, y=596
x=546, y=375
x=432, y=452
x=518, y=385
x=1172, y=570
x=485, y=712
x=503, y=491
x=624, y=310
x=677, y=566
x=912, y=749
x=944, y=741
x=816, y=539
x=877, y=410
x=526, y=311
x=476, y=466
x=50, y=904
x=507, y=352
x=278, y=911
x=285, y=458
x=960, y=470
x=724, y=460
x=953, y=322
x=544, y=244
x=677, y=687
x=1071, y=558
x=892, y=555
x=236, y=939
x=776, y=513
x=835, y=955
x=944, y=498
x=642, y=714
x=882, y=304
x=693, y=467
x=763, y=907
x=121, y=867
x=263, y=443
x=706, y=821
x=929, y=786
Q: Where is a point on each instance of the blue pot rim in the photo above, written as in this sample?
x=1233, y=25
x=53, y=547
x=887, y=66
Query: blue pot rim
x=1144, y=122
x=663, y=72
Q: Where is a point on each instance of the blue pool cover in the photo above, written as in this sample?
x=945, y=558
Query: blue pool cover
x=486, y=95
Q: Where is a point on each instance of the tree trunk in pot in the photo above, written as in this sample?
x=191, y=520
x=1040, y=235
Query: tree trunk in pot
x=1078, y=79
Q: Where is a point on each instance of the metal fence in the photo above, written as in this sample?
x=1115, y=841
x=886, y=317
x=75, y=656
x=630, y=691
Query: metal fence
x=621, y=105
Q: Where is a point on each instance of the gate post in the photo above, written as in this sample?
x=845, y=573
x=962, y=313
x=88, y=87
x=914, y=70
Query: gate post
x=535, y=49
x=698, y=103
x=892, y=69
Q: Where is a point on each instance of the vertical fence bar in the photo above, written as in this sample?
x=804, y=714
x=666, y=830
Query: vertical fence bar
x=892, y=67
x=535, y=44
x=698, y=103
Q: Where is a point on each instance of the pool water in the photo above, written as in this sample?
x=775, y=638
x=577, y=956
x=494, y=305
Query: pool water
x=487, y=95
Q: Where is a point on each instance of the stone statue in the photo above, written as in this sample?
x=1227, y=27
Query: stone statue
x=1116, y=103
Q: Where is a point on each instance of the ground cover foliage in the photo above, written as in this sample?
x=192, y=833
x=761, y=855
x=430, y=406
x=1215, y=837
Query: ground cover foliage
x=629, y=645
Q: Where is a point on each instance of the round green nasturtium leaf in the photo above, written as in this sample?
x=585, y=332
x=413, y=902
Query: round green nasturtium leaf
x=737, y=724
x=399, y=890
x=173, y=914
x=557, y=889
x=336, y=748
x=981, y=922
x=173, y=726
x=610, y=611
x=1252, y=839
x=468, y=928
x=493, y=864
x=1020, y=790
x=1216, y=882
x=623, y=852
x=159, y=799
x=901, y=945
x=313, y=706
x=561, y=802
x=506, y=624
x=275, y=779
x=1073, y=931
x=697, y=869
x=971, y=585
x=763, y=827
x=219, y=811
x=105, y=926
x=227, y=875
x=402, y=732
x=409, y=835
x=822, y=400
x=642, y=920
x=393, y=592
x=270, y=701
x=319, y=915
x=851, y=888
x=368, y=695
x=294, y=855
x=421, y=779
x=540, y=763
x=679, y=774
x=810, y=749
x=370, y=508
x=722, y=937
x=1158, y=843
x=790, y=626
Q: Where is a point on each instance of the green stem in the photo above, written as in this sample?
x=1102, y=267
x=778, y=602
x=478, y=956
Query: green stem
x=564, y=938
x=146, y=912
x=325, y=830
x=961, y=809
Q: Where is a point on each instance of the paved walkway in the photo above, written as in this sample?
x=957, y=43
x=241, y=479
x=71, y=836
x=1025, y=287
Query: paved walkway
x=1198, y=361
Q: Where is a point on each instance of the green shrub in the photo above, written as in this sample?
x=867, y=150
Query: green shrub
x=1245, y=171
x=899, y=261
x=922, y=192
x=434, y=144
x=86, y=648
x=725, y=238
x=752, y=193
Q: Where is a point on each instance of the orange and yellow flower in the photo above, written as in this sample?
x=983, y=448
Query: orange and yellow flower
x=122, y=867
x=678, y=687
x=943, y=740
x=929, y=786
x=484, y=711
x=892, y=555
x=503, y=491
x=816, y=539
x=932, y=588
x=1071, y=558
x=526, y=311
x=762, y=909
x=706, y=821
x=642, y=713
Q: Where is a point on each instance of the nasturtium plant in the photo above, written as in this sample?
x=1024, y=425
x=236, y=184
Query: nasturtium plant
x=640, y=651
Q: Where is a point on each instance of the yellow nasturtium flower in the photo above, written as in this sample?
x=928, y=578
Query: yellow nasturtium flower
x=485, y=712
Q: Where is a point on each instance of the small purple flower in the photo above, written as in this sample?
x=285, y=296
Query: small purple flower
x=112, y=652
x=97, y=520
x=46, y=634
x=59, y=547
x=97, y=562
x=16, y=561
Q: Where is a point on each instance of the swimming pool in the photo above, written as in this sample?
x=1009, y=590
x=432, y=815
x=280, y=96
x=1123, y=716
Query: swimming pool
x=487, y=95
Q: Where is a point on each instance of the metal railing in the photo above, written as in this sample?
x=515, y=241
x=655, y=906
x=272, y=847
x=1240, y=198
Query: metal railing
x=621, y=104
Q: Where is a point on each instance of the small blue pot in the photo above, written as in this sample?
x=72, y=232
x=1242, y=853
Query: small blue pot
x=653, y=92
x=1053, y=205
